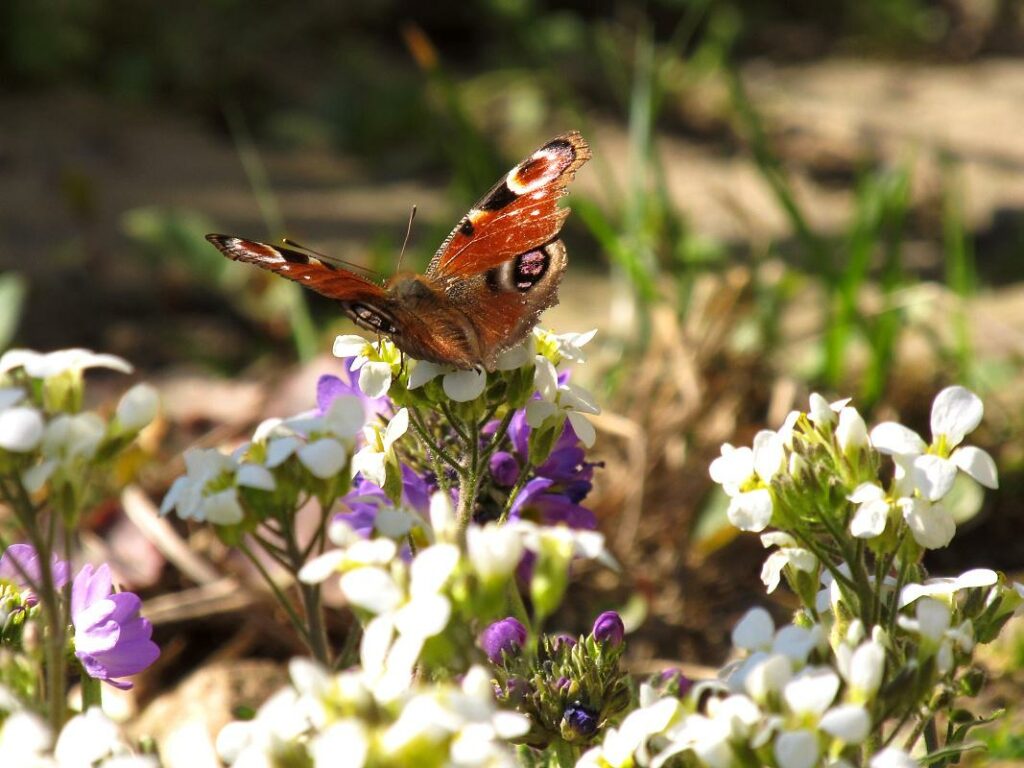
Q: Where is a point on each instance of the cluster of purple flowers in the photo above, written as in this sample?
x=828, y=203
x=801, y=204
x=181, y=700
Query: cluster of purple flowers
x=554, y=490
x=111, y=639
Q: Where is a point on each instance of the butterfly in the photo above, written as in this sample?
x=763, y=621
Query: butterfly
x=485, y=288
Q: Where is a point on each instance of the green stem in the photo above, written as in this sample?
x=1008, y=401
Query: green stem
x=92, y=693
x=421, y=431
x=564, y=753
x=282, y=599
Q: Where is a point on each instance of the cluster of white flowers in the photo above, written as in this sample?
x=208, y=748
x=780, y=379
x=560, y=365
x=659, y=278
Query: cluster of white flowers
x=89, y=739
x=409, y=602
x=41, y=423
x=324, y=720
x=924, y=473
x=379, y=362
x=322, y=445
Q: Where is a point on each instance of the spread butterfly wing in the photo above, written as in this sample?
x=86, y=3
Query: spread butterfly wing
x=518, y=215
x=311, y=272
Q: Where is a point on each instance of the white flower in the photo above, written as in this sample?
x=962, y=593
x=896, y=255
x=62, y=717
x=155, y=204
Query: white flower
x=931, y=622
x=573, y=400
x=872, y=511
x=24, y=739
x=767, y=676
x=620, y=744
x=10, y=396
x=46, y=365
x=745, y=474
x=21, y=429
x=324, y=458
x=931, y=469
x=137, y=407
x=350, y=345
x=822, y=412
x=788, y=554
x=348, y=737
x=946, y=588
x=567, y=345
x=188, y=494
x=371, y=460
x=862, y=668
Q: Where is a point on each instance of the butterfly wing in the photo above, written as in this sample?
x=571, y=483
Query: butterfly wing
x=364, y=301
x=518, y=215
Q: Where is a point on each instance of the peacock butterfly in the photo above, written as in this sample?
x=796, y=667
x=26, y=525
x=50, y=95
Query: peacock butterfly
x=486, y=286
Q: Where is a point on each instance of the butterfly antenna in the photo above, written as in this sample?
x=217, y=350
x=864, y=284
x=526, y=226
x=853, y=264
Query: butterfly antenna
x=408, y=231
x=329, y=260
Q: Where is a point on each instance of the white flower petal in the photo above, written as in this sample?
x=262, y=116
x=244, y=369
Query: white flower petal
x=397, y=427
x=755, y=630
x=375, y=379
x=10, y=396
x=372, y=589
x=978, y=464
x=34, y=478
x=867, y=664
x=891, y=438
x=432, y=568
x=583, y=428
x=870, y=518
x=371, y=464
x=537, y=411
x=820, y=412
x=848, y=722
x=893, y=757
x=545, y=378
x=349, y=345
x=423, y=616
x=956, y=412
x=519, y=356
x=279, y=449
x=866, y=492
x=933, y=476
x=424, y=371
x=795, y=643
x=733, y=467
x=931, y=525
x=320, y=568
x=255, y=476
x=812, y=692
x=222, y=508
x=323, y=458
x=768, y=454
x=751, y=511
x=393, y=522
x=21, y=429
x=464, y=386
x=851, y=432
x=797, y=749
x=345, y=417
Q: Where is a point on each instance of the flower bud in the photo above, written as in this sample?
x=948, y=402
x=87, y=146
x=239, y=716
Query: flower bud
x=21, y=429
x=137, y=407
x=505, y=636
x=578, y=723
x=608, y=628
x=851, y=432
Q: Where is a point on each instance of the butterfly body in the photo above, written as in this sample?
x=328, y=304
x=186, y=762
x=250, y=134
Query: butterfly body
x=486, y=286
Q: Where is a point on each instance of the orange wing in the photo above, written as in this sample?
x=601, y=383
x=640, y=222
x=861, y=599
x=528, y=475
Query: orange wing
x=519, y=214
x=311, y=272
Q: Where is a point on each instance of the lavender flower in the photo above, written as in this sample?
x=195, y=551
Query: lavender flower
x=329, y=387
x=507, y=635
x=608, y=628
x=366, y=498
x=111, y=639
x=556, y=488
x=673, y=682
x=20, y=565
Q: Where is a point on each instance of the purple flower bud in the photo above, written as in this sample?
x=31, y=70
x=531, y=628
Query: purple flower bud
x=673, y=680
x=508, y=635
x=579, y=721
x=608, y=628
x=504, y=469
x=562, y=638
x=20, y=564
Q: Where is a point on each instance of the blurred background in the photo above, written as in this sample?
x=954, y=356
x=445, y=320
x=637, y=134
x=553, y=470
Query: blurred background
x=785, y=197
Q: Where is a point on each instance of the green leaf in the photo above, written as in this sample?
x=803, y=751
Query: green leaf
x=13, y=288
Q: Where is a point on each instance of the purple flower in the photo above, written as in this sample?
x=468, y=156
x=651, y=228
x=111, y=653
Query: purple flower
x=608, y=628
x=366, y=498
x=21, y=560
x=534, y=502
x=111, y=639
x=578, y=722
x=562, y=638
x=507, y=635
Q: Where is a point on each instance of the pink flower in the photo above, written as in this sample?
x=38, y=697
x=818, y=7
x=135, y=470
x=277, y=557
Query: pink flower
x=111, y=639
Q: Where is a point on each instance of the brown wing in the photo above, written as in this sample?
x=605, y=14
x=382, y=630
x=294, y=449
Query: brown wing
x=311, y=272
x=519, y=214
